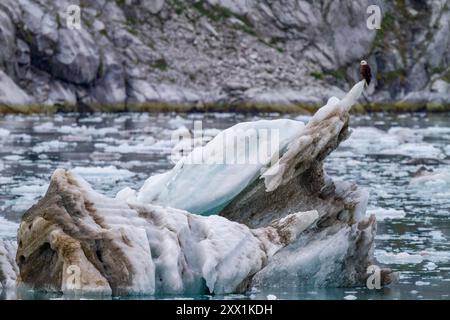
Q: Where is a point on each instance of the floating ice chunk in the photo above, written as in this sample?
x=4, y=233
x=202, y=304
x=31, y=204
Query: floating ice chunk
x=416, y=150
x=406, y=135
x=54, y=145
x=447, y=150
x=85, y=130
x=37, y=189
x=4, y=132
x=435, y=132
x=436, y=256
x=432, y=181
x=27, y=195
x=430, y=266
x=178, y=121
x=422, y=283
x=5, y=180
x=91, y=120
x=103, y=174
x=350, y=297
x=13, y=157
x=435, y=185
x=397, y=141
x=128, y=148
x=437, y=235
x=383, y=214
x=30, y=191
x=8, y=229
x=271, y=297
x=44, y=127
x=398, y=258
x=407, y=258
x=369, y=140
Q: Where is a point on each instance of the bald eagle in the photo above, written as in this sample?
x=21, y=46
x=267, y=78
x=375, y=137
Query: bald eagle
x=364, y=71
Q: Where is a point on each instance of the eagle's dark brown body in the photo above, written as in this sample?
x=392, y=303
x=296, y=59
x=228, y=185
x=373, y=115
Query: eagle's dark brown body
x=364, y=71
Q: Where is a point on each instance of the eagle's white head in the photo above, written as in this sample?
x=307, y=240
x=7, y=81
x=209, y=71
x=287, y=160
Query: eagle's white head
x=363, y=62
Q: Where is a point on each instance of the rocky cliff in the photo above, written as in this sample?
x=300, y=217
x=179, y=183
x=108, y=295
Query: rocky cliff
x=203, y=54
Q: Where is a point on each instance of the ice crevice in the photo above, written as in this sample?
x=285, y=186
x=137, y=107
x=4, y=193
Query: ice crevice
x=207, y=227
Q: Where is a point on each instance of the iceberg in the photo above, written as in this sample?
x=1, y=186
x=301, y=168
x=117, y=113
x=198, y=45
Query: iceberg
x=210, y=225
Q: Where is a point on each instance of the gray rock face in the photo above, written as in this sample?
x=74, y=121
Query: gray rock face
x=189, y=52
x=11, y=94
x=7, y=38
x=23, y=60
x=110, y=88
x=76, y=59
x=154, y=6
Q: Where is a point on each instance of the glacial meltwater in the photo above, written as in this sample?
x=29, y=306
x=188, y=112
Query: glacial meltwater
x=403, y=160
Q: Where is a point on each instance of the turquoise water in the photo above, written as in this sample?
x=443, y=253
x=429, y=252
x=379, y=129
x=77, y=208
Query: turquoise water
x=383, y=155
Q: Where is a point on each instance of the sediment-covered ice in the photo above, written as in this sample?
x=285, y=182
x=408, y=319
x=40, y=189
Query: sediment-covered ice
x=125, y=247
